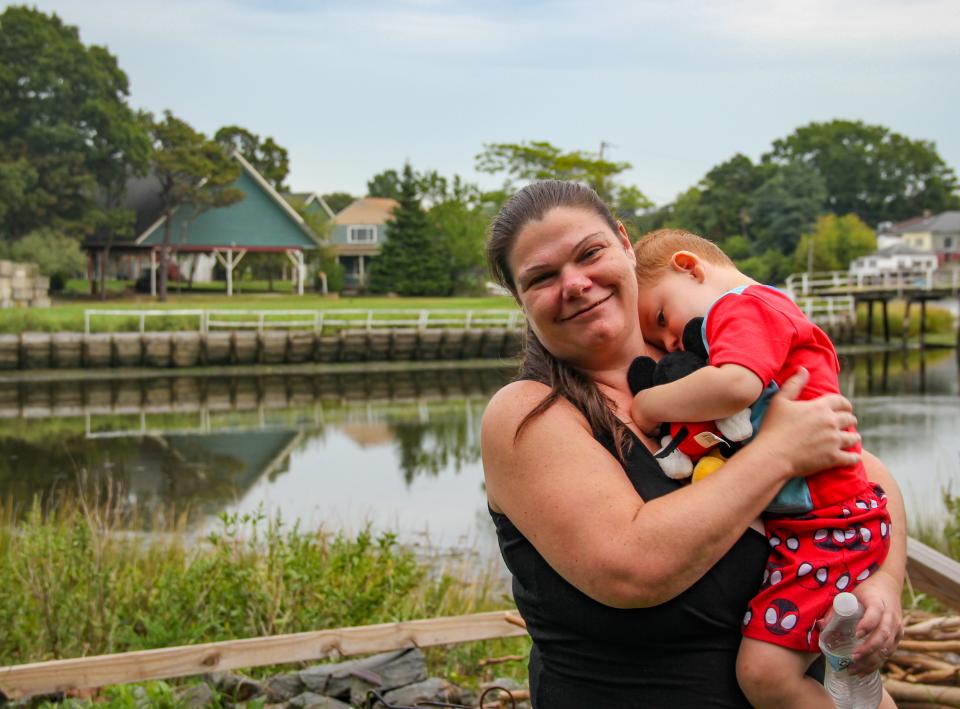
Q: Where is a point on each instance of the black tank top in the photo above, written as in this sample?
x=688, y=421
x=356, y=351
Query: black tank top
x=678, y=654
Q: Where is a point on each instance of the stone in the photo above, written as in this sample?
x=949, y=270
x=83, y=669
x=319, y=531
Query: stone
x=194, y=696
x=433, y=689
x=311, y=700
x=238, y=687
x=388, y=669
x=282, y=688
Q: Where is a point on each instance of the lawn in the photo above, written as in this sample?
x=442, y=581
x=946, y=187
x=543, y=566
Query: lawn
x=66, y=313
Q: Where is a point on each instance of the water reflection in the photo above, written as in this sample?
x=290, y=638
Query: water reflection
x=397, y=449
x=202, y=444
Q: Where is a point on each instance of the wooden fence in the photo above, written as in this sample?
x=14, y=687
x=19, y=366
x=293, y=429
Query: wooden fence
x=929, y=571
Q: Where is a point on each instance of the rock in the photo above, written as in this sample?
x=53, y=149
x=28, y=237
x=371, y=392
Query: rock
x=194, y=696
x=239, y=688
x=433, y=689
x=388, y=670
x=281, y=688
x=311, y=700
x=510, y=685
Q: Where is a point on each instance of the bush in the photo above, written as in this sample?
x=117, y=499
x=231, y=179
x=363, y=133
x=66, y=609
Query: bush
x=57, y=255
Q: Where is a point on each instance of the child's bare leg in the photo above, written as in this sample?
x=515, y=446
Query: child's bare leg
x=774, y=676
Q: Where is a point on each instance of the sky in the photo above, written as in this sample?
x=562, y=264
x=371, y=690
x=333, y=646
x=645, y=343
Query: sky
x=674, y=87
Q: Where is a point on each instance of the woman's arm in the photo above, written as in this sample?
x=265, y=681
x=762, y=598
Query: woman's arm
x=570, y=498
x=882, y=623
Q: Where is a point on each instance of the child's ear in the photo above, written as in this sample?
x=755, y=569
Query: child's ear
x=687, y=262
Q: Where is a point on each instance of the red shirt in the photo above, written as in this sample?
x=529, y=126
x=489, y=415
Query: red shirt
x=760, y=328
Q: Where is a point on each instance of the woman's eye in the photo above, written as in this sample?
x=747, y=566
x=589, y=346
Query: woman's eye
x=591, y=252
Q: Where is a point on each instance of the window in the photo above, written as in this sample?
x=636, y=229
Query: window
x=947, y=242
x=362, y=234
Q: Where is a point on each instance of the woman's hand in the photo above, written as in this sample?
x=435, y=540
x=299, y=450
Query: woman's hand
x=809, y=435
x=882, y=624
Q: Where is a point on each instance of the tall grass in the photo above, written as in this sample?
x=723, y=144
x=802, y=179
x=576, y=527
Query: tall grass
x=78, y=581
x=938, y=320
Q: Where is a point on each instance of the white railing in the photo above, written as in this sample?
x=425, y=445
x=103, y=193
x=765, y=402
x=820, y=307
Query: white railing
x=800, y=284
x=317, y=320
x=829, y=310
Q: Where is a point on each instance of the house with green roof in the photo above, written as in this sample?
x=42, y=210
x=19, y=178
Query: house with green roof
x=263, y=221
x=359, y=232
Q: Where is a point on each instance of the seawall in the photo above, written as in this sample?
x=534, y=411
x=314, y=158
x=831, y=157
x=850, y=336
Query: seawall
x=70, y=350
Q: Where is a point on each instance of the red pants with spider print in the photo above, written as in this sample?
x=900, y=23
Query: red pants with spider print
x=813, y=558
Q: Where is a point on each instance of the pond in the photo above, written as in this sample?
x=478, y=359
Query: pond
x=397, y=450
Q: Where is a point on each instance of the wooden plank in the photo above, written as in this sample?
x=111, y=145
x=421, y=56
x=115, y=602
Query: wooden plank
x=933, y=573
x=19, y=681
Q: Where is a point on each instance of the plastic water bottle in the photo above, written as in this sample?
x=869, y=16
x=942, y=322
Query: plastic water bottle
x=837, y=642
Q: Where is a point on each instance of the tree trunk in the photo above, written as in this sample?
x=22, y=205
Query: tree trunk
x=104, y=257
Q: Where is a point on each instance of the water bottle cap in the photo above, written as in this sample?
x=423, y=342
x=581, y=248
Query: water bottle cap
x=845, y=604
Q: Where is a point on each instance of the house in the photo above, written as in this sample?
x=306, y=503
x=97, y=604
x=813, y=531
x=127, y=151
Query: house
x=898, y=260
x=310, y=204
x=261, y=222
x=935, y=233
x=359, y=232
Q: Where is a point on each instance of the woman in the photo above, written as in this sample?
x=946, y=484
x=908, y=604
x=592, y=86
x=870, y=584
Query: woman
x=633, y=597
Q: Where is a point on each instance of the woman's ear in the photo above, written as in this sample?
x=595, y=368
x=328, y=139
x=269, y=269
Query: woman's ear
x=687, y=262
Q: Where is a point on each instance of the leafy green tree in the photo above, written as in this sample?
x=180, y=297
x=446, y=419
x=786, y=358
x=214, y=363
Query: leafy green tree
x=871, y=171
x=413, y=260
x=323, y=259
x=338, y=201
x=785, y=206
x=270, y=160
x=384, y=184
x=66, y=131
x=834, y=243
x=540, y=160
x=460, y=219
x=195, y=174
x=772, y=266
x=57, y=255
x=686, y=212
x=723, y=208
x=736, y=247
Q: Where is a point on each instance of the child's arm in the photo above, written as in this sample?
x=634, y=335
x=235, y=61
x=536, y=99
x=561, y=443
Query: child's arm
x=705, y=395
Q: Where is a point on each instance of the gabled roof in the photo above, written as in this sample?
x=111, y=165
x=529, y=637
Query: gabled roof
x=901, y=250
x=937, y=223
x=368, y=210
x=305, y=199
x=212, y=224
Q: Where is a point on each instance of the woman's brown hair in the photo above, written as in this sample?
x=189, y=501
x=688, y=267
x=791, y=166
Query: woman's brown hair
x=528, y=205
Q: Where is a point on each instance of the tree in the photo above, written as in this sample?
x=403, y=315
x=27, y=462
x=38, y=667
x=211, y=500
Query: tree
x=323, y=259
x=384, y=184
x=871, y=171
x=785, y=206
x=338, y=201
x=725, y=194
x=194, y=173
x=413, y=261
x=772, y=266
x=834, y=243
x=539, y=160
x=460, y=219
x=66, y=131
x=269, y=159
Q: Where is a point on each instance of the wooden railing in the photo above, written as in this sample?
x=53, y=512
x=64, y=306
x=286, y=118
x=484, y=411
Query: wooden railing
x=929, y=571
x=316, y=320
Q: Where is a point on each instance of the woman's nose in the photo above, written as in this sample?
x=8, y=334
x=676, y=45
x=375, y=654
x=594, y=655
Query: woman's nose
x=574, y=284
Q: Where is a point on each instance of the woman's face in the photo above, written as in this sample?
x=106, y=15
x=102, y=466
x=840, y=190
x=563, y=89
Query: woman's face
x=576, y=284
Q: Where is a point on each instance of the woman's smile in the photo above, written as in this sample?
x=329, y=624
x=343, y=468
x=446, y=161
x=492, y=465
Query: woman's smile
x=583, y=311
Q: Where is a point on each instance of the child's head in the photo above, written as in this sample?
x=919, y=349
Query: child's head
x=678, y=277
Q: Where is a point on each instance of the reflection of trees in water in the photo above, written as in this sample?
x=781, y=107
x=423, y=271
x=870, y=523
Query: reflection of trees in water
x=901, y=371
x=152, y=475
x=450, y=440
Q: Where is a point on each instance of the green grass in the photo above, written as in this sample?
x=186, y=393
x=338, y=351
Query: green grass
x=77, y=582
x=66, y=314
x=939, y=321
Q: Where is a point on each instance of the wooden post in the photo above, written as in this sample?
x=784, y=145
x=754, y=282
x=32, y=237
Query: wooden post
x=886, y=321
x=906, y=321
x=870, y=321
x=923, y=322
